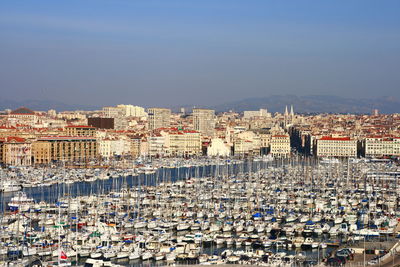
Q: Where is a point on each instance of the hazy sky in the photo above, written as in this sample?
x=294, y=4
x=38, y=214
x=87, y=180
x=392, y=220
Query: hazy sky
x=169, y=52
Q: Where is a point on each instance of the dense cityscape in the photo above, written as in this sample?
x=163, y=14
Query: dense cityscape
x=188, y=133
x=113, y=134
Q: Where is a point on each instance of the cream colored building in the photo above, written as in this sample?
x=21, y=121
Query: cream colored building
x=113, y=112
x=110, y=147
x=173, y=142
x=204, y=121
x=336, y=147
x=158, y=118
x=244, y=147
x=379, y=146
x=16, y=151
x=280, y=146
x=156, y=145
x=182, y=142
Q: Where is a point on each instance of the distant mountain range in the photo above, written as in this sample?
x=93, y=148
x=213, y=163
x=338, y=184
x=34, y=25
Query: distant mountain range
x=43, y=105
x=314, y=104
x=274, y=103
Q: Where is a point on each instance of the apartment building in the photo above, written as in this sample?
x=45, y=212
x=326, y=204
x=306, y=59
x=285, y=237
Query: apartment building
x=64, y=149
x=381, y=146
x=16, y=151
x=336, y=147
x=80, y=130
x=159, y=118
x=204, y=121
x=280, y=146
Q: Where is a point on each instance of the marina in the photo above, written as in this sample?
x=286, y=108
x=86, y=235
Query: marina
x=272, y=213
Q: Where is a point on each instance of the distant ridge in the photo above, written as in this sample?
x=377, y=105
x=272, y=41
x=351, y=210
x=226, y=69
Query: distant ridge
x=274, y=103
x=314, y=104
x=43, y=105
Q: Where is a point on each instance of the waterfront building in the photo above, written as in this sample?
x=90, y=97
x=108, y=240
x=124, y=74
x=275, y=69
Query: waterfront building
x=328, y=146
x=183, y=142
x=381, y=146
x=204, y=121
x=158, y=118
x=16, y=151
x=64, y=149
x=136, y=144
x=156, y=145
x=280, y=146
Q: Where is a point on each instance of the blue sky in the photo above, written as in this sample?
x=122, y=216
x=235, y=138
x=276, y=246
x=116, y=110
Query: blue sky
x=163, y=53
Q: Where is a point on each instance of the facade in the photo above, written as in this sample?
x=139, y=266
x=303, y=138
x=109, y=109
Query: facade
x=112, y=112
x=255, y=113
x=171, y=142
x=64, y=149
x=113, y=147
x=156, y=145
x=381, y=146
x=16, y=151
x=158, y=118
x=136, y=144
x=81, y=130
x=132, y=111
x=280, y=146
x=183, y=143
x=101, y=123
x=23, y=115
x=243, y=147
x=336, y=147
x=204, y=121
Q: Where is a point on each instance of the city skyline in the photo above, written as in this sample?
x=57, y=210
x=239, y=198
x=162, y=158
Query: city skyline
x=203, y=54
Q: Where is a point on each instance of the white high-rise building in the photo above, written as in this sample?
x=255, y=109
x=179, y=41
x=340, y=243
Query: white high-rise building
x=204, y=121
x=133, y=111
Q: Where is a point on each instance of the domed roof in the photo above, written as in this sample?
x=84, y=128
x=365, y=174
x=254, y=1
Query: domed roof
x=23, y=110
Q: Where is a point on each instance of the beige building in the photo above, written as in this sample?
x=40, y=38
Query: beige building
x=159, y=118
x=113, y=112
x=173, y=142
x=65, y=149
x=136, y=144
x=380, y=146
x=16, y=151
x=80, y=130
x=280, y=146
x=204, y=121
x=336, y=147
x=23, y=116
x=156, y=145
x=183, y=143
x=255, y=113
